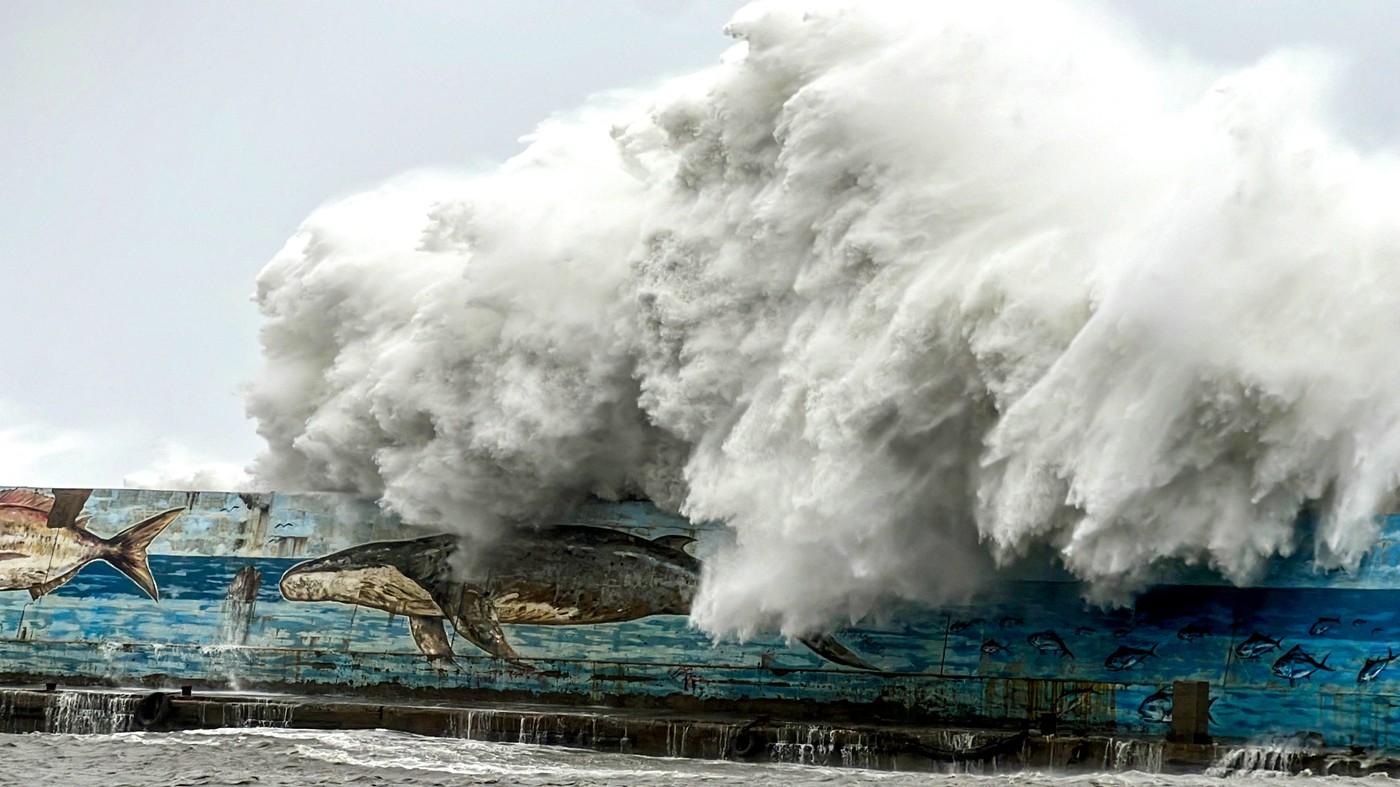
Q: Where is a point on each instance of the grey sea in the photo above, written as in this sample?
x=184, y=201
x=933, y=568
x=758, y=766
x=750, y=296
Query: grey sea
x=316, y=757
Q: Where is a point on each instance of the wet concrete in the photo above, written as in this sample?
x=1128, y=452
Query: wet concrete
x=646, y=732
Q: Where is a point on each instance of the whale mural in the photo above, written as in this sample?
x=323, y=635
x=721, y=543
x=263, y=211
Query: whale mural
x=592, y=609
x=557, y=576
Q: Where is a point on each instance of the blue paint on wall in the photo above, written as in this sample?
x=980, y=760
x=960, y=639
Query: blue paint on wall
x=993, y=660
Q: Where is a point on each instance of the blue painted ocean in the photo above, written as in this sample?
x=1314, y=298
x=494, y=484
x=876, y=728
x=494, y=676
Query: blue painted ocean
x=100, y=626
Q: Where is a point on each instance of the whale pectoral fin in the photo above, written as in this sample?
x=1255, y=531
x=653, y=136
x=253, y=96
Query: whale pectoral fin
x=474, y=617
x=678, y=543
x=430, y=637
x=827, y=647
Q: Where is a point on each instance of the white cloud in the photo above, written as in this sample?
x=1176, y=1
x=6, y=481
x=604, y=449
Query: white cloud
x=179, y=468
x=28, y=454
x=35, y=452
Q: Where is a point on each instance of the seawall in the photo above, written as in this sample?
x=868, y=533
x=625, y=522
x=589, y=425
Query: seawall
x=311, y=595
x=759, y=739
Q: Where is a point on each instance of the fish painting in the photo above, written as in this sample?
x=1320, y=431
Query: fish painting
x=1072, y=700
x=1082, y=630
x=1010, y=621
x=1157, y=708
x=1323, y=625
x=1193, y=631
x=991, y=648
x=1049, y=643
x=558, y=576
x=1159, y=705
x=959, y=626
x=1256, y=646
x=1374, y=666
x=1127, y=657
x=40, y=552
x=1297, y=664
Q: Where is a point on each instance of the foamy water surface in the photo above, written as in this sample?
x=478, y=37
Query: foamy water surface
x=377, y=757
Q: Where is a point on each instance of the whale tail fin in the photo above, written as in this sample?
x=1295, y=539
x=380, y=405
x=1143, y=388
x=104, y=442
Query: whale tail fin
x=829, y=648
x=126, y=551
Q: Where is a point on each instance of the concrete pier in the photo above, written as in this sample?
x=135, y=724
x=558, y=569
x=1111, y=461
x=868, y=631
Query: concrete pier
x=654, y=733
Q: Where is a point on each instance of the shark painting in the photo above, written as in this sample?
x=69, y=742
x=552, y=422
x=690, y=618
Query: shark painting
x=558, y=576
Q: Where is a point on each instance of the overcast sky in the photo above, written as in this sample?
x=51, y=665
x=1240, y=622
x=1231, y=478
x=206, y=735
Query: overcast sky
x=154, y=154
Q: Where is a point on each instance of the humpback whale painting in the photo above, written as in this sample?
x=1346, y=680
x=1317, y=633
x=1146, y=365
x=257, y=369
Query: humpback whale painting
x=558, y=576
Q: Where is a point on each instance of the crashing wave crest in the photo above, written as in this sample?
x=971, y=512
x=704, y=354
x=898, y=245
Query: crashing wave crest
x=897, y=291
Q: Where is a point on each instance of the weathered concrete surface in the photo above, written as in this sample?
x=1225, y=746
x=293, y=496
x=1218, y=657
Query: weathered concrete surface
x=1028, y=651
x=918, y=700
x=760, y=739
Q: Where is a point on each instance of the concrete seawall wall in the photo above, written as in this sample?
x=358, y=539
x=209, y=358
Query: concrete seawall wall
x=1302, y=652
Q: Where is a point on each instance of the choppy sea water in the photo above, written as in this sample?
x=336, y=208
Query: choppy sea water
x=315, y=757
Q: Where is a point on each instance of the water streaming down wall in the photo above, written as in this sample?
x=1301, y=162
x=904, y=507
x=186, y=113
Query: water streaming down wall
x=471, y=724
x=533, y=729
x=676, y=735
x=1133, y=755
x=7, y=710
x=256, y=713
x=812, y=744
x=89, y=713
x=1257, y=759
x=1274, y=754
x=95, y=711
x=945, y=751
x=815, y=744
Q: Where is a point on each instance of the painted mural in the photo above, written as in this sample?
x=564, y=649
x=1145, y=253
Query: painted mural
x=319, y=592
x=558, y=576
x=43, y=545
